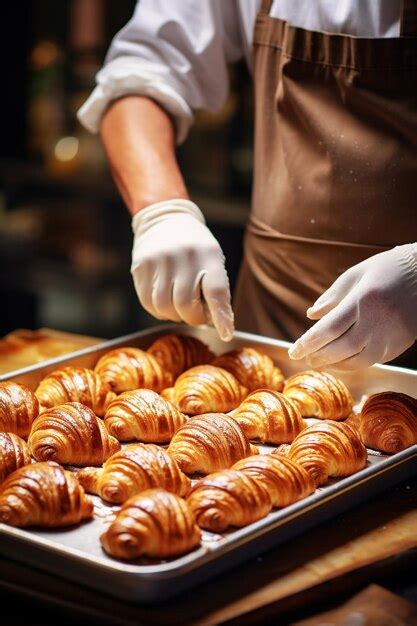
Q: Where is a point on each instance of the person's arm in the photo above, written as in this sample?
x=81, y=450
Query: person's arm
x=177, y=265
x=139, y=139
x=170, y=59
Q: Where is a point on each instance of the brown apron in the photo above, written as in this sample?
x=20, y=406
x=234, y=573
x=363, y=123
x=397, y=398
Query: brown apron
x=335, y=177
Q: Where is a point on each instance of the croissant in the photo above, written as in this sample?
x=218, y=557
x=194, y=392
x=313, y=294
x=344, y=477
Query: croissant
x=388, y=422
x=156, y=523
x=72, y=435
x=75, y=384
x=13, y=454
x=286, y=481
x=208, y=443
x=133, y=469
x=125, y=369
x=206, y=389
x=43, y=494
x=142, y=415
x=269, y=416
x=18, y=408
x=228, y=498
x=319, y=394
x=328, y=449
x=177, y=353
x=252, y=368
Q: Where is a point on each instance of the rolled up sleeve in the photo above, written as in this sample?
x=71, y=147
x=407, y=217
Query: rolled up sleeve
x=173, y=51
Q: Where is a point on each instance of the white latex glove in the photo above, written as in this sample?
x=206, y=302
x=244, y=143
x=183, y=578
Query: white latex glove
x=368, y=315
x=178, y=267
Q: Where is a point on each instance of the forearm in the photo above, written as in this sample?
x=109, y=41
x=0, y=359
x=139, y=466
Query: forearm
x=139, y=140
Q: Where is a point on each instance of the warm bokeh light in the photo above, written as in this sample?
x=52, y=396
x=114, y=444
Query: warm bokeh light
x=44, y=54
x=66, y=148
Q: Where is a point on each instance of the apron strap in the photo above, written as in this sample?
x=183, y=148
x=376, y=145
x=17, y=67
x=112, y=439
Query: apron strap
x=408, y=20
x=265, y=7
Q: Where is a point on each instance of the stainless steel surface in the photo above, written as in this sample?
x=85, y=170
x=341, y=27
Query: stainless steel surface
x=76, y=554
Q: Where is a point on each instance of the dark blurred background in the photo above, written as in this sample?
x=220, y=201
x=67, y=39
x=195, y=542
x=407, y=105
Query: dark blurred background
x=65, y=236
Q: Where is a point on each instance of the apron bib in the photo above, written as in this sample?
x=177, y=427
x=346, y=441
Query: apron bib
x=335, y=176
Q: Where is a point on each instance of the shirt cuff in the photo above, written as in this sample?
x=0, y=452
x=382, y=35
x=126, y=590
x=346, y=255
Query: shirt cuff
x=130, y=76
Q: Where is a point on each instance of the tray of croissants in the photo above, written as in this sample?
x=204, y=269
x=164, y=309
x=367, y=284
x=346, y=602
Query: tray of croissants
x=146, y=464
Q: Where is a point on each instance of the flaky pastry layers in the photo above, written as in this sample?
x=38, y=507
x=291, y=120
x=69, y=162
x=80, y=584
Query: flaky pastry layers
x=328, y=449
x=252, y=368
x=125, y=369
x=206, y=389
x=143, y=415
x=320, y=395
x=135, y=468
x=207, y=443
x=75, y=384
x=388, y=422
x=177, y=353
x=72, y=435
x=155, y=523
x=43, y=494
x=14, y=453
x=228, y=498
x=269, y=416
x=18, y=408
x=285, y=480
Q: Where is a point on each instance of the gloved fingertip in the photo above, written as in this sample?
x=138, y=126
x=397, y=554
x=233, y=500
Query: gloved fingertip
x=226, y=335
x=227, y=328
x=223, y=320
x=313, y=313
x=318, y=309
x=296, y=352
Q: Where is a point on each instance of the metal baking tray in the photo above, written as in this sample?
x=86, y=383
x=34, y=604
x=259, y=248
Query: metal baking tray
x=76, y=553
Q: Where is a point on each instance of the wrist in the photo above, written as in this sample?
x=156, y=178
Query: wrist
x=174, y=207
x=159, y=196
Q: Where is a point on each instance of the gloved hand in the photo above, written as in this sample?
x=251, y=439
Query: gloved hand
x=368, y=315
x=178, y=266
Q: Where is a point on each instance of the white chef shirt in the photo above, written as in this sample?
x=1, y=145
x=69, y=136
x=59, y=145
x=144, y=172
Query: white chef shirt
x=177, y=51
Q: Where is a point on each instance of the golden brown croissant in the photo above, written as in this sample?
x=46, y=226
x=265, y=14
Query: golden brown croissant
x=133, y=469
x=72, y=435
x=208, y=443
x=269, y=416
x=14, y=453
x=252, y=368
x=75, y=384
x=142, y=415
x=206, y=389
x=177, y=353
x=228, y=498
x=388, y=422
x=18, y=408
x=319, y=394
x=156, y=524
x=125, y=369
x=286, y=481
x=328, y=449
x=43, y=494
